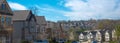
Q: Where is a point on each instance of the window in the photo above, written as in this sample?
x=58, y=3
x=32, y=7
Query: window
x=3, y=6
x=8, y=20
x=2, y=19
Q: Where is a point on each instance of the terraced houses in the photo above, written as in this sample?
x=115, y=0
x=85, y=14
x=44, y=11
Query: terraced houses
x=18, y=26
x=22, y=25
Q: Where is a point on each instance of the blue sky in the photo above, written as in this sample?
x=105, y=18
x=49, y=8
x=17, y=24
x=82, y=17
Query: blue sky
x=55, y=10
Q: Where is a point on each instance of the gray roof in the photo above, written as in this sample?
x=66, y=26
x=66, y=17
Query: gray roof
x=8, y=9
x=1, y=1
x=21, y=15
x=40, y=19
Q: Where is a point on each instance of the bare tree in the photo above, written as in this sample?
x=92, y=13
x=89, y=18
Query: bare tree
x=34, y=10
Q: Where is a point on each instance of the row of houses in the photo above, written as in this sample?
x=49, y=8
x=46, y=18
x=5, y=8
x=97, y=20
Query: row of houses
x=20, y=25
x=90, y=30
x=23, y=25
x=97, y=35
x=57, y=32
x=27, y=26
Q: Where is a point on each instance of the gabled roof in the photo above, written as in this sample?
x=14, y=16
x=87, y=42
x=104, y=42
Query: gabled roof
x=93, y=32
x=21, y=15
x=7, y=8
x=40, y=19
x=1, y=1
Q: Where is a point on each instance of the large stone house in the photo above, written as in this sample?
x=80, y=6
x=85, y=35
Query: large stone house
x=5, y=22
x=41, y=27
x=24, y=24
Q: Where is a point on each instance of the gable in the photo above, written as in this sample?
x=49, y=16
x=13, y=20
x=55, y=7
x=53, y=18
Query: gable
x=41, y=20
x=31, y=17
x=4, y=7
x=22, y=15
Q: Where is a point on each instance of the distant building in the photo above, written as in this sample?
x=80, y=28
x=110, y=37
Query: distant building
x=52, y=29
x=98, y=36
x=107, y=36
x=81, y=37
x=114, y=37
x=41, y=27
x=24, y=24
x=5, y=22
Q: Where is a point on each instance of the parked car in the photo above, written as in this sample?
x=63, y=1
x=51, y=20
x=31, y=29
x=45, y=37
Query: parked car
x=61, y=41
x=41, y=41
x=94, y=41
x=74, y=42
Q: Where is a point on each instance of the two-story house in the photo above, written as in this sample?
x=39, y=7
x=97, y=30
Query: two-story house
x=98, y=36
x=107, y=36
x=24, y=24
x=5, y=22
x=81, y=37
x=41, y=27
x=114, y=37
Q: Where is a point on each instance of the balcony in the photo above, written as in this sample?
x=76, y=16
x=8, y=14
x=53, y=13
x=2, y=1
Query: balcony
x=6, y=29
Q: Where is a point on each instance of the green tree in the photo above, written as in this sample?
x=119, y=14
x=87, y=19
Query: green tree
x=117, y=29
x=105, y=24
x=71, y=34
x=25, y=41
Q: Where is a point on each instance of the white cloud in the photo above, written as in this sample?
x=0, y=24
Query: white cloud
x=51, y=13
x=95, y=9
x=17, y=6
x=46, y=9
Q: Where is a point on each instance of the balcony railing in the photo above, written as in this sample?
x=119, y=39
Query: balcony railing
x=5, y=29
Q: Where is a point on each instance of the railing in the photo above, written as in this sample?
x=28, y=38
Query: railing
x=9, y=29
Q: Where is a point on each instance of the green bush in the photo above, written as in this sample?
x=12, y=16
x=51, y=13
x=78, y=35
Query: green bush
x=69, y=41
x=24, y=41
x=52, y=41
x=0, y=41
x=113, y=42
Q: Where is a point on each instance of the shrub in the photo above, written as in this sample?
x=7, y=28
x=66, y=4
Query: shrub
x=24, y=41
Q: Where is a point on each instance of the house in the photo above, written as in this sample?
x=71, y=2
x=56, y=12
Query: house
x=90, y=36
x=98, y=36
x=41, y=27
x=114, y=37
x=24, y=24
x=56, y=30
x=81, y=37
x=50, y=29
x=107, y=36
x=5, y=22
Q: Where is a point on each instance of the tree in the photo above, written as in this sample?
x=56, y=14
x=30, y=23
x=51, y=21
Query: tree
x=34, y=10
x=117, y=29
x=71, y=34
x=105, y=24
